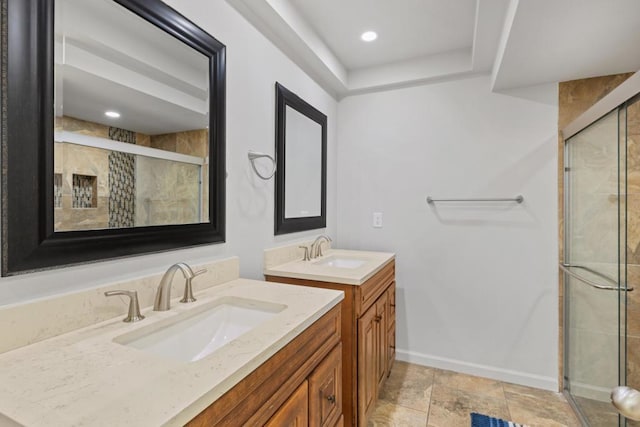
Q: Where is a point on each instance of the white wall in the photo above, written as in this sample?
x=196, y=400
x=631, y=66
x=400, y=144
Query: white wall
x=253, y=67
x=477, y=283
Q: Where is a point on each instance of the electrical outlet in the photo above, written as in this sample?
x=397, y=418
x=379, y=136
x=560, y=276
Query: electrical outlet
x=377, y=219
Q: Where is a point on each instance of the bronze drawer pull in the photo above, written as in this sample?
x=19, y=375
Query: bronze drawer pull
x=378, y=318
x=392, y=346
x=331, y=398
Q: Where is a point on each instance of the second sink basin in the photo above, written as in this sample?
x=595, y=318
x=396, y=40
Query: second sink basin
x=196, y=334
x=340, y=262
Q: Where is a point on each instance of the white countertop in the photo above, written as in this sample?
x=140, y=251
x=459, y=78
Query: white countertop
x=311, y=270
x=84, y=378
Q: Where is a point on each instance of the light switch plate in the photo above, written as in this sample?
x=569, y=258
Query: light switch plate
x=377, y=219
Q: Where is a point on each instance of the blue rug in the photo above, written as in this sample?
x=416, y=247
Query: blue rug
x=479, y=420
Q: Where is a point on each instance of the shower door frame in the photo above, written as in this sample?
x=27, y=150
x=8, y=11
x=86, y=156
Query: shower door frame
x=565, y=277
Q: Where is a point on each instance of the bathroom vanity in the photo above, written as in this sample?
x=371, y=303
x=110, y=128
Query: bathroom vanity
x=301, y=385
x=368, y=319
x=279, y=362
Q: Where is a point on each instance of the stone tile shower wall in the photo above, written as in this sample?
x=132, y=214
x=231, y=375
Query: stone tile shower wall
x=122, y=182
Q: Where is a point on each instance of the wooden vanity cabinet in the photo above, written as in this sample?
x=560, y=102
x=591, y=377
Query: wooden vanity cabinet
x=299, y=386
x=368, y=339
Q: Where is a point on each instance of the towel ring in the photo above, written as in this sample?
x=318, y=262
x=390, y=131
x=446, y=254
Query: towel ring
x=253, y=155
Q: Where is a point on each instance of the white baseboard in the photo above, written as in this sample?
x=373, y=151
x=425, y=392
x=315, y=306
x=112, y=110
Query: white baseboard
x=505, y=375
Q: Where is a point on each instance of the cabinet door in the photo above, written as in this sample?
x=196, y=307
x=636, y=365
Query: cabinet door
x=367, y=364
x=391, y=326
x=325, y=390
x=381, y=339
x=391, y=347
x=391, y=304
x=294, y=412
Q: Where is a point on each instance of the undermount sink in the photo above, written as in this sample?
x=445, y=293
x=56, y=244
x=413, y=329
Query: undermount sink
x=197, y=334
x=340, y=262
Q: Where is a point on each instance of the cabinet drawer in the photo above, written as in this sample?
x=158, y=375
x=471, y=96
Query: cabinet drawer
x=294, y=412
x=370, y=291
x=325, y=391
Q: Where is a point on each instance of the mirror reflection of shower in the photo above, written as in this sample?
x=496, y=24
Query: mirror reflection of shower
x=131, y=121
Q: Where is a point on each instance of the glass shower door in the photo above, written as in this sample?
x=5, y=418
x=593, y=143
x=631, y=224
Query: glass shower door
x=595, y=259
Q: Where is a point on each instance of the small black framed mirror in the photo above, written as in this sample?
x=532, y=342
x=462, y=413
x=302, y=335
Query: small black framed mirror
x=301, y=156
x=113, y=136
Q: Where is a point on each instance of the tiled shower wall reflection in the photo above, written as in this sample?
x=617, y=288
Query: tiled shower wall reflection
x=122, y=182
x=84, y=192
x=166, y=193
x=127, y=190
x=70, y=160
x=57, y=190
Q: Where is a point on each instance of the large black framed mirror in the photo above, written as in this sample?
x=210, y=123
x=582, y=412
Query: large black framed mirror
x=301, y=157
x=113, y=132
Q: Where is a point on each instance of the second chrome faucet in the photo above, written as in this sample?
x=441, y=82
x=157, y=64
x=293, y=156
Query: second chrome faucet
x=163, y=294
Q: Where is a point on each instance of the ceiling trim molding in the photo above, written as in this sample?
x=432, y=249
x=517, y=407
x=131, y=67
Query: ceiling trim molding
x=284, y=26
x=488, y=30
x=269, y=17
x=521, y=44
x=504, y=40
x=411, y=72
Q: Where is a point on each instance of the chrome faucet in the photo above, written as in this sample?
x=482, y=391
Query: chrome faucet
x=316, y=246
x=163, y=294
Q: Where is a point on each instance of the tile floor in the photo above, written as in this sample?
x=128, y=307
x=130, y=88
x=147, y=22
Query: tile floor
x=599, y=414
x=419, y=396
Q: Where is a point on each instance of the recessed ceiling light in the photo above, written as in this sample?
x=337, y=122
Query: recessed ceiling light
x=369, y=36
x=112, y=114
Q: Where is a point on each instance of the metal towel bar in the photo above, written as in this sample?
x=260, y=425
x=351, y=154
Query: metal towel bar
x=517, y=199
x=565, y=268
